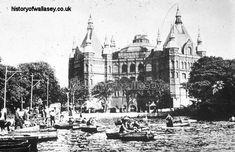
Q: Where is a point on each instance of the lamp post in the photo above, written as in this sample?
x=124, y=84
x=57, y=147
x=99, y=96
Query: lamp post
x=67, y=100
x=33, y=85
x=5, y=85
x=47, y=91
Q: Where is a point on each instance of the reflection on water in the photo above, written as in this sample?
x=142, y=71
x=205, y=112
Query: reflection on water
x=201, y=136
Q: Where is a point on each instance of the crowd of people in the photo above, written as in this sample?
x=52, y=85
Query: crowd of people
x=128, y=125
x=28, y=117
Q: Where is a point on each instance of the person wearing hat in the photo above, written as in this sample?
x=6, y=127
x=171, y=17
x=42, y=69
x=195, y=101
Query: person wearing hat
x=124, y=125
x=169, y=120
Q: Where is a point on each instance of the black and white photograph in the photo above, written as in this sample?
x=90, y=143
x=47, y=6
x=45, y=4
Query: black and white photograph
x=117, y=75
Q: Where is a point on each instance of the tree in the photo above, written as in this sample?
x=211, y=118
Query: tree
x=14, y=91
x=126, y=86
x=42, y=72
x=157, y=92
x=212, y=82
x=103, y=91
x=79, y=92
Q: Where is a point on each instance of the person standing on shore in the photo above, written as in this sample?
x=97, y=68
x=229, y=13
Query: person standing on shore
x=3, y=123
x=18, y=119
x=169, y=120
x=52, y=116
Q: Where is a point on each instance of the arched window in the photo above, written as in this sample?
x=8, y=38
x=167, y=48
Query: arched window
x=185, y=65
x=182, y=65
x=110, y=71
x=184, y=75
x=148, y=67
x=87, y=68
x=190, y=51
x=91, y=81
x=115, y=68
x=91, y=68
x=189, y=66
x=172, y=75
x=177, y=75
x=132, y=67
x=172, y=64
x=141, y=67
x=124, y=68
x=177, y=64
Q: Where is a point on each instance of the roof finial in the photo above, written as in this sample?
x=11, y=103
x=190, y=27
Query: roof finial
x=158, y=37
x=106, y=43
x=112, y=42
x=199, y=41
x=90, y=23
x=178, y=16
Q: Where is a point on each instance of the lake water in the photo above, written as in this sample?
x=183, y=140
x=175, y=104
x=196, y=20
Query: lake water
x=200, y=136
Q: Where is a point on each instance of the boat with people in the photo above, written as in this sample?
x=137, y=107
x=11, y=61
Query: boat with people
x=13, y=145
x=34, y=129
x=18, y=143
x=131, y=136
x=64, y=125
x=45, y=134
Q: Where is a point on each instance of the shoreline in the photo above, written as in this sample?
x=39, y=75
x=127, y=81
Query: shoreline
x=111, y=115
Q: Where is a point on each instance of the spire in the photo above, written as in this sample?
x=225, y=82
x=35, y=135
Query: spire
x=112, y=42
x=199, y=41
x=71, y=55
x=158, y=46
x=158, y=37
x=106, y=43
x=90, y=24
x=178, y=16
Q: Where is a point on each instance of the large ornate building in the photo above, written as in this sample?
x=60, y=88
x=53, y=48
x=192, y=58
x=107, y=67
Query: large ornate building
x=93, y=62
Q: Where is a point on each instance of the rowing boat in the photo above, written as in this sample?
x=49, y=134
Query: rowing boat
x=131, y=136
x=10, y=145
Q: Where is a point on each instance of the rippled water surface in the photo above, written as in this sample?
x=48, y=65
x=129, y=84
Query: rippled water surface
x=200, y=136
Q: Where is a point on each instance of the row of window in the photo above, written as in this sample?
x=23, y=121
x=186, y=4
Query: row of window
x=91, y=68
x=124, y=68
x=176, y=75
x=184, y=65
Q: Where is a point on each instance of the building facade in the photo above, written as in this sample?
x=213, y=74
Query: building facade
x=171, y=61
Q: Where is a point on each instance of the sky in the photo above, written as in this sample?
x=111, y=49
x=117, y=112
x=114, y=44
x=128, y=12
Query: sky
x=49, y=36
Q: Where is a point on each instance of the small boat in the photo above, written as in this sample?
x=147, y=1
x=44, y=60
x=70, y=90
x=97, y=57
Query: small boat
x=181, y=124
x=113, y=135
x=34, y=130
x=131, y=136
x=65, y=125
x=89, y=129
x=10, y=145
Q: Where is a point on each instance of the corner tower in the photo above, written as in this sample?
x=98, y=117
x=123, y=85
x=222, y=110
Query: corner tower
x=179, y=55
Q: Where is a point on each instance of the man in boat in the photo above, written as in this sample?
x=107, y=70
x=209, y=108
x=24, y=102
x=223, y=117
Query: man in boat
x=169, y=120
x=91, y=122
x=125, y=126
